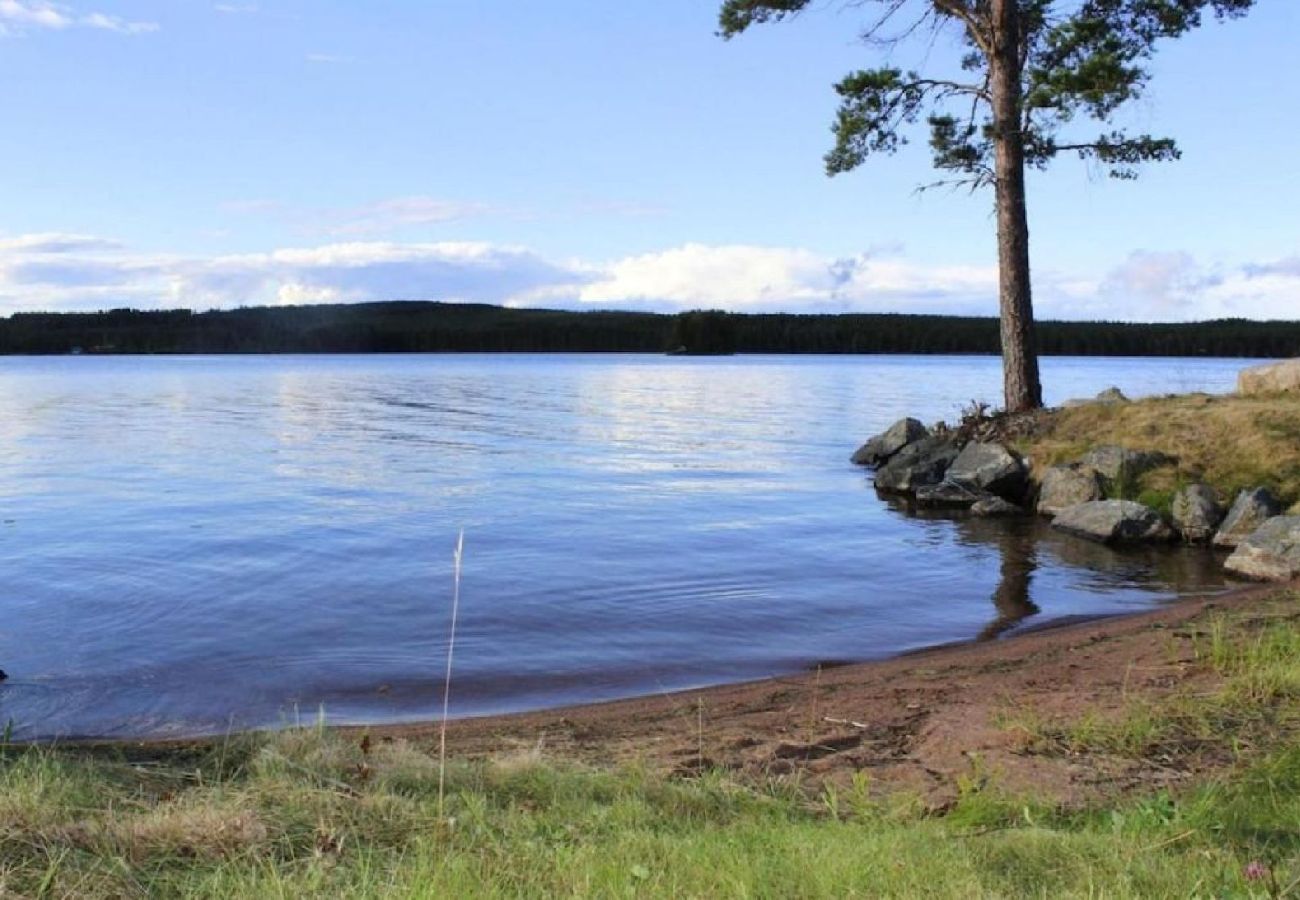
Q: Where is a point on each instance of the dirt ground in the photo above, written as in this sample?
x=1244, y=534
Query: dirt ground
x=922, y=724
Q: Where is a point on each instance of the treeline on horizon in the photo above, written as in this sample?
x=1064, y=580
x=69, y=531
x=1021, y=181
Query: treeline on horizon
x=415, y=327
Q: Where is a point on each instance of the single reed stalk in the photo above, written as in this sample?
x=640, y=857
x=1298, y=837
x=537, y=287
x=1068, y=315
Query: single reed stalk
x=699, y=735
x=817, y=690
x=446, y=684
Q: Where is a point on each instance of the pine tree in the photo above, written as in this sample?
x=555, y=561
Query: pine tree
x=1033, y=73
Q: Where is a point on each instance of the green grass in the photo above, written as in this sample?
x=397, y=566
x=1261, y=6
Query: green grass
x=309, y=814
x=1229, y=442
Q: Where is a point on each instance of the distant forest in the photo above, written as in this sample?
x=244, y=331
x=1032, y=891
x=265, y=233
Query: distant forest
x=398, y=327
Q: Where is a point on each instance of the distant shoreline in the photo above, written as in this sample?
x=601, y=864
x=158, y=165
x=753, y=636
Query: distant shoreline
x=429, y=327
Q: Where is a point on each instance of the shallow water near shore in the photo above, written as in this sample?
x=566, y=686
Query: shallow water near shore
x=195, y=544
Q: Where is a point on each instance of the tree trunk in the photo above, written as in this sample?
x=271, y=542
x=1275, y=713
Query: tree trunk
x=1019, y=346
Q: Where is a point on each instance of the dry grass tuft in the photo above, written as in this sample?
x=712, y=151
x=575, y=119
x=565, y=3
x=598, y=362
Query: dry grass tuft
x=1229, y=442
x=189, y=830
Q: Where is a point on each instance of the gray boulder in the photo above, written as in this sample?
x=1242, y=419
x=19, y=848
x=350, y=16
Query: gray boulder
x=918, y=464
x=1196, y=513
x=990, y=468
x=947, y=495
x=1272, y=553
x=1270, y=378
x=1113, y=522
x=881, y=447
x=1250, y=510
x=1108, y=397
x=991, y=507
x=1119, y=465
x=1065, y=486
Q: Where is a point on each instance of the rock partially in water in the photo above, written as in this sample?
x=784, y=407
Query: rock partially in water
x=880, y=448
x=993, y=507
x=1250, y=510
x=947, y=494
x=1119, y=465
x=1270, y=378
x=1272, y=553
x=1066, y=486
x=3, y=675
x=990, y=468
x=1113, y=522
x=918, y=464
x=1197, y=513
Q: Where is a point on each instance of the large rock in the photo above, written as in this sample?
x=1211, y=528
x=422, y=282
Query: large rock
x=1196, y=513
x=881, y=447
x=1119, y=466
x=1250, y=510
x=1065, y=486
x=1272, y=553
x=991, y=468
x=919, y=463
x=1270, y=378
x=1113, y=522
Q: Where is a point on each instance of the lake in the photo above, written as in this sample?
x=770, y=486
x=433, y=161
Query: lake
x=194, y=544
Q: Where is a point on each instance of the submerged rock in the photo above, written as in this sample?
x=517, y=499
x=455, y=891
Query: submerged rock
x=1119, y=465
x=1270, y=378
x=1113, y=522
x=947, y=494
x=1065, y=486
x=991, y=468
x=1196, y=513
x=1272, y=553
x=992, y=506
x=1250, y=510
x=881, y=447
x=918, y=464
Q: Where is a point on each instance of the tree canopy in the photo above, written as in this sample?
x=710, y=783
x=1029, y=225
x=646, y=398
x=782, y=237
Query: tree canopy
x=1079, y=62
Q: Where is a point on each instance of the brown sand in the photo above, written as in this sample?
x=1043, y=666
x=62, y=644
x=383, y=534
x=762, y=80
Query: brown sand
x=923, y=723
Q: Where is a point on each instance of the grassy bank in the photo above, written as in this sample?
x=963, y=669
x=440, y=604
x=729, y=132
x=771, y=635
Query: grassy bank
x=1230, y=442
x=321, y=813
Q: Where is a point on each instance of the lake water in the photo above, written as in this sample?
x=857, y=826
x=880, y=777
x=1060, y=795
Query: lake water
x=191, y=544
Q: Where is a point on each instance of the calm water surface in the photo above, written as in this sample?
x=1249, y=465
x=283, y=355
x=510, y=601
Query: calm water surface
x=189, y=544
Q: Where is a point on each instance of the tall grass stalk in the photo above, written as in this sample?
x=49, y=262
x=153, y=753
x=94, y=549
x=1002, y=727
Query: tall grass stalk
x=446, y=684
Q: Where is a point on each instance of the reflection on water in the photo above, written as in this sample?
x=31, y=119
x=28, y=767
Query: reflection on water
x=1017, y=547
x=191, y=544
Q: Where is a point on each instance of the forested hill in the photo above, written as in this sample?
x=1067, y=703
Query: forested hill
x=423, y=327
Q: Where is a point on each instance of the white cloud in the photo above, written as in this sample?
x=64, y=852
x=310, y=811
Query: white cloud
x=398, y=212
x=1174, y=286
x=56, y=242
x=366, y=220
x=69, y=271
x=742, y=277
x=18, y=16
x=237, y=9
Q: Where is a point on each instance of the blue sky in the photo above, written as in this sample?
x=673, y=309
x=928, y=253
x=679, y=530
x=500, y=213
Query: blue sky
x=587, y=153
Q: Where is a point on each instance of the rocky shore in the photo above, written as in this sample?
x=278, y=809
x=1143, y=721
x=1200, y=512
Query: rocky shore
x=983, y=466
